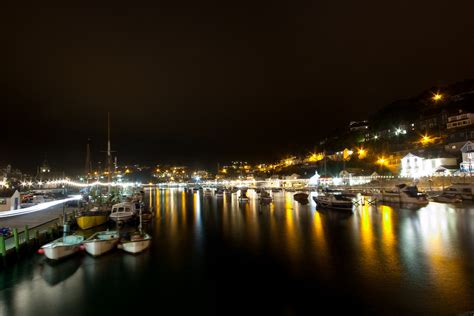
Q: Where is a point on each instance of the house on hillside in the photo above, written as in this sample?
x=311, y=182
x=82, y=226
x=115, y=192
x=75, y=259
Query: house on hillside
x=426, y=164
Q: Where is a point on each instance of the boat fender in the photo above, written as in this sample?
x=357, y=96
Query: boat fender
x=81, y=247
x=41, y=251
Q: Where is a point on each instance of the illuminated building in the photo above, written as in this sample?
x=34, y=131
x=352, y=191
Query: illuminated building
x=413, y=166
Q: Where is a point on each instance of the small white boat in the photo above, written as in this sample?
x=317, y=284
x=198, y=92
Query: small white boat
x=334, y=201
x=403, y=193
x=123, y=212
x=137, y=242
x=101, y=242
x=243, y=196
x=62, y=247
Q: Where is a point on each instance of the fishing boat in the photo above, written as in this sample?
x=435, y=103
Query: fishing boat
x=101, y=242
x=403, y=193
x=333, y=201
x=123, y=212
x=136, y=242
x=62, y=247
x=91, y=218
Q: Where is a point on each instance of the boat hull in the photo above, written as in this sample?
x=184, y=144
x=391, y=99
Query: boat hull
x=121, y=217
x=89, y=221
x=397, y=198
x=135, y=246
x=341, y=206
x=99, y=247
x=60, y=252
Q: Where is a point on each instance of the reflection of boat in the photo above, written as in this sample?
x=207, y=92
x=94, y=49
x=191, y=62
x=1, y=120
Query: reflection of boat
x=62, y=247
x=446, y=198
x=124, y=211
x=101, y=242
x=334, y=216
x=301, y=197
x=333, y=201
x=403, y=193
x=54, y=272
x=91, y=218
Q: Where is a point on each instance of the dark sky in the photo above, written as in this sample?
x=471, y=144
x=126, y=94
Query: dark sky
x=196, y=81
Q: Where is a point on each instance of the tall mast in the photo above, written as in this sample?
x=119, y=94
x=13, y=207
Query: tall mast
x=109, y=152
x=88, y=161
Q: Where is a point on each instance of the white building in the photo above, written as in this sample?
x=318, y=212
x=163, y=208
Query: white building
x=413, y=166
x=9, y=200
x=467, y=164
x=460, y=120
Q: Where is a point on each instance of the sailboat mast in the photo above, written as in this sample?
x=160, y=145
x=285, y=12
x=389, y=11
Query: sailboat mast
x=109, y=152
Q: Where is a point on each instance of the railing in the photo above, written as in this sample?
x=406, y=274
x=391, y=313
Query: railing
x=19, y=238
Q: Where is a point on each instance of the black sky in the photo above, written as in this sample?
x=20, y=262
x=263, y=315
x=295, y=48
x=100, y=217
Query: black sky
x=191, y=81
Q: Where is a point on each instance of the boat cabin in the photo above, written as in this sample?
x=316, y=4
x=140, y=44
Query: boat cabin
x=126, y=207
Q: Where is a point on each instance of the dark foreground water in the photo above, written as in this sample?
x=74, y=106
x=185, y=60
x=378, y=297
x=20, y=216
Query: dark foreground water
x=218, y=256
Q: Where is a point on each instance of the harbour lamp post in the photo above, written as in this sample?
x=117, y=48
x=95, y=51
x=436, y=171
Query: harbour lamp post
x=437, y=97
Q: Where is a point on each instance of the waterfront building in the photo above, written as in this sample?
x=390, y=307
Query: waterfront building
x=9, y=200
x=460, y=120
x=467, y=164
x=416, y=166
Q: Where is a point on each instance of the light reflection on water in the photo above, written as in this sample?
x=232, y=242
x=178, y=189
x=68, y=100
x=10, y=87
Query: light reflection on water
x=389, y=258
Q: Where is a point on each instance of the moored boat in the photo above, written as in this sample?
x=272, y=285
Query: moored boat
x=91, y=218
x=334, y=201
x=446, y=198
x=243, y=195
x=62, y=247
x=403, y=193
x=265, y=197
x=123, y=212
x=301, y=196
x=101, y=242
x=135, y=242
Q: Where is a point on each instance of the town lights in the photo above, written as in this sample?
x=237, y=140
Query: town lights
x=426, y=139
x=382, y=161
x=437, y=96
x=362, y=153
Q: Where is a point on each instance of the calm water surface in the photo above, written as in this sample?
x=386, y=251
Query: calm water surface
x=219, y=256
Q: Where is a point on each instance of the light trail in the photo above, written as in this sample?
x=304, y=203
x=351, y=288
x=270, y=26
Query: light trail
x=38, y=207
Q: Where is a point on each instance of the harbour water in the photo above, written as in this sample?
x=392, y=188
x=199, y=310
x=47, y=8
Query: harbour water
x=214, y=255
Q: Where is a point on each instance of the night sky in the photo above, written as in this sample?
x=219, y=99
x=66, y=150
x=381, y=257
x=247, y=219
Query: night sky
x=201, y=82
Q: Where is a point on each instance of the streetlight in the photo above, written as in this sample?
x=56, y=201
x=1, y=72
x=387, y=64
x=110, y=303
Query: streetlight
x=437, y=97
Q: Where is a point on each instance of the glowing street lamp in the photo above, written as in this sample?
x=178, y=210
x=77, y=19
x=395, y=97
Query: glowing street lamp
x=382, y=161
x=362, y=153
x=437, y=97
x=426, y=139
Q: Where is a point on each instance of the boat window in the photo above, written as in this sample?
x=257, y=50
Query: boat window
x=467, y=190
x=120, y=209
x=127, y=210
